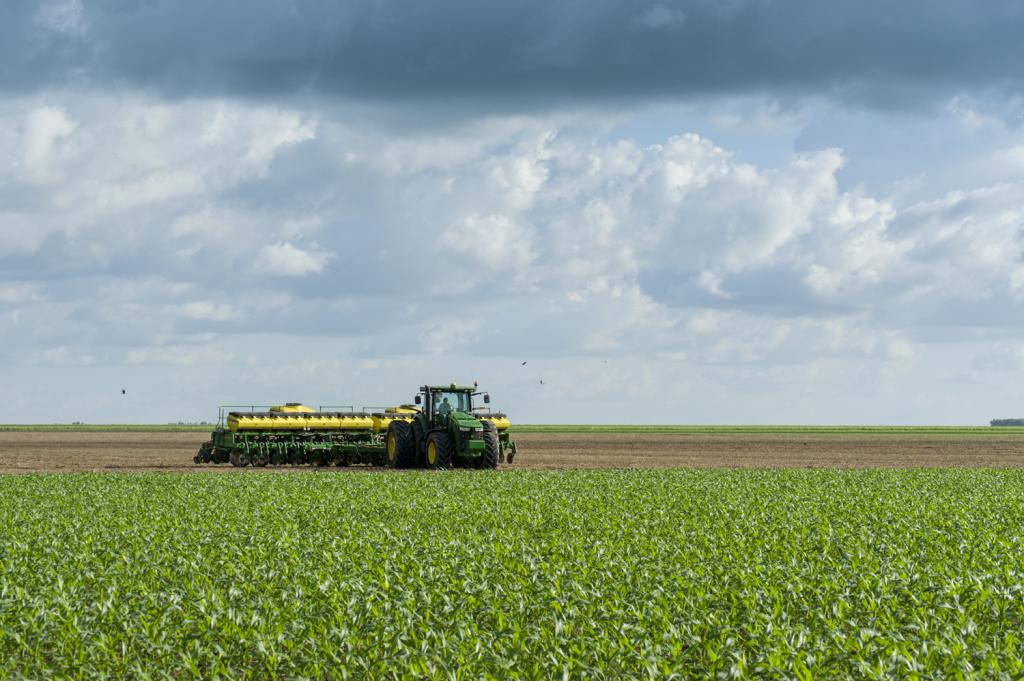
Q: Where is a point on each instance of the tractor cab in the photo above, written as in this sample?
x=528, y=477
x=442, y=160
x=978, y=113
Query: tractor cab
x=440, y=401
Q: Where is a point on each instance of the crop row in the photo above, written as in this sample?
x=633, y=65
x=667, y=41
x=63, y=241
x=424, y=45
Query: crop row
x=466, y=575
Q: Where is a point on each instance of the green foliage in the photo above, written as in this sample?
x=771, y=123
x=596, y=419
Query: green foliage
x=794, y=574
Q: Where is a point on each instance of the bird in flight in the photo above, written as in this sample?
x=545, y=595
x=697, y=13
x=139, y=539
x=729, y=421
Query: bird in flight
x=523, y=364
x=123, y=391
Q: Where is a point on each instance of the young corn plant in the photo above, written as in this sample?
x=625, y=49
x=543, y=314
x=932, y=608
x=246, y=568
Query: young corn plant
x=612, y=574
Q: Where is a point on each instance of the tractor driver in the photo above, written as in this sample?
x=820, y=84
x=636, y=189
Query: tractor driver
x=444, y=408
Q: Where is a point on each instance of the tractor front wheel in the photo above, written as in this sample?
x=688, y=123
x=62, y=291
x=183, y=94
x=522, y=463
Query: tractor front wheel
x=401, y=451
x=439, y=450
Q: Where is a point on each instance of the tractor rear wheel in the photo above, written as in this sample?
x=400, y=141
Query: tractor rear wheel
x=439, y=450
x=401, y=452
x=489, y=459
x=419, y=440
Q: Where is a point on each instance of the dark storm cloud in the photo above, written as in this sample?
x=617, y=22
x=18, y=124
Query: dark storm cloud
x=874, y=50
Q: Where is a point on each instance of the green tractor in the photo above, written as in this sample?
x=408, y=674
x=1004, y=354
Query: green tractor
x=448, y=431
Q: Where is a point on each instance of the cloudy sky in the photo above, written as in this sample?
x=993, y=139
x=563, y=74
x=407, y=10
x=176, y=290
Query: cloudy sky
x=699, y=211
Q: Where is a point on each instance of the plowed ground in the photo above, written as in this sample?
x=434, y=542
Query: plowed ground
x=39, y=451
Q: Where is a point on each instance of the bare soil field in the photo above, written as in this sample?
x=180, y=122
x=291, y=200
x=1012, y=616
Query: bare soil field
x=63, y=451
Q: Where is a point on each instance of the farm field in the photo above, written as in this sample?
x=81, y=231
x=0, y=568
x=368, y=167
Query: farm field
x=609, y=574
x=172, y=450
x=972, y=431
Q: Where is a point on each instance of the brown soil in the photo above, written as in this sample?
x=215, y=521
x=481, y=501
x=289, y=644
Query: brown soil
x=22, y=452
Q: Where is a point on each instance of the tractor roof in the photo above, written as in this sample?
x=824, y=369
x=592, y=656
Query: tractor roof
x=451, y=387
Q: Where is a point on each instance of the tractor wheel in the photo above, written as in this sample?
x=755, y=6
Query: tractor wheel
x=401, y=451
x=419, y=440
x=439, y=450
x=489, y=459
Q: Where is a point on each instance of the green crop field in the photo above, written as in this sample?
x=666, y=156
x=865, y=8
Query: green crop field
x=612, y=574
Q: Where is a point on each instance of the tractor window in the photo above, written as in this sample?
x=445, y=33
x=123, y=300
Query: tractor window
x=457, y=401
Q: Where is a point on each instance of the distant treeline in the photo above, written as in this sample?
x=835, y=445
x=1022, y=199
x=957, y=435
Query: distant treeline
x=1006, y=422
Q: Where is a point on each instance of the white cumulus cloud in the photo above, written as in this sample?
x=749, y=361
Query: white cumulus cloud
x=494, y=240
x=286, y=260
x=45, y=129
x=222, y=233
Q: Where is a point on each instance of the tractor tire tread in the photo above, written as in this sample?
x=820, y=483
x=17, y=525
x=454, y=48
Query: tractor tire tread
x=419, y=439
x=489, y=459
x=405, y=454
x=445, y=449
